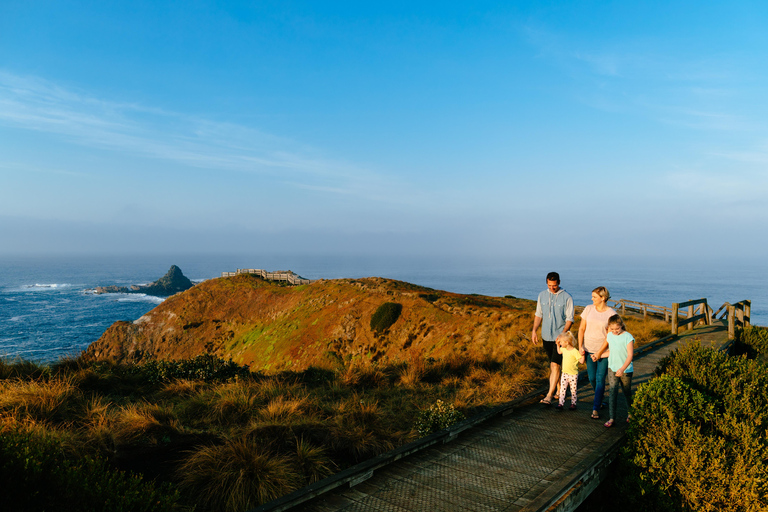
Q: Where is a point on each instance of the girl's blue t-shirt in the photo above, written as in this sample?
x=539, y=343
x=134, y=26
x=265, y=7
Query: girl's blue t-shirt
x=617, y=344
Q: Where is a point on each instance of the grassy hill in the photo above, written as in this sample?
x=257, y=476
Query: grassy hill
x=273, y=327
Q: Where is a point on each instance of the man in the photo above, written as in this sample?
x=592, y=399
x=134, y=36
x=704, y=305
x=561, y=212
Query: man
x=554, y=314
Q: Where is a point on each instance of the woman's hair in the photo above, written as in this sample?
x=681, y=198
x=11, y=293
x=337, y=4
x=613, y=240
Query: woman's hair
x=603, y=292
x=567, y=336
x=616, y=320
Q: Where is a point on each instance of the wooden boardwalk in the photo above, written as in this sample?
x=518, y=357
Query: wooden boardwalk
x=535, y=458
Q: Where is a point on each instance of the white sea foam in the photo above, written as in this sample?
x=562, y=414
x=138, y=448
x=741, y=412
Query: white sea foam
x=138, y=297
x=44, y=287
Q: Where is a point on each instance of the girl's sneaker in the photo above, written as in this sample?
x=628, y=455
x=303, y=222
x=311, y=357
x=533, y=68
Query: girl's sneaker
x=559, y=407
x=572, y=407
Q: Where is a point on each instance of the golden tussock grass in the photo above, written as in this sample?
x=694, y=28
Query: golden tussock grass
x=52, y=401
x=282, y=409
x=237, y=475
x=144, y=420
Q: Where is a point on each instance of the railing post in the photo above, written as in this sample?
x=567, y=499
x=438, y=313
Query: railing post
x=731, y=322
x=675, y=308
x=690, y=315
x=623, y=308
x=707, y=314
x=645, y=312
x=747, y=312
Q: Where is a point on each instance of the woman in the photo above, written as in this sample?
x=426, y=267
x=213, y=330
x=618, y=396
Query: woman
x=592, y=332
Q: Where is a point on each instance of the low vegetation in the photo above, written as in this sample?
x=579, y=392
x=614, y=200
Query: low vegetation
x=698, y=438
x=211, y=435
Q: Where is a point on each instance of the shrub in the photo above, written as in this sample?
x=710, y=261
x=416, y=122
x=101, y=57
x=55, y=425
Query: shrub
x=37, y=474
x=204, y=367
x=753, y=341
x=384, y=316
x=439, y=416
x=699, y=432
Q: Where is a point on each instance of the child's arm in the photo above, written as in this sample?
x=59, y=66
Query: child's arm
x=597, y=355
x=559, y=349
x=630, y=353
x=582, y=359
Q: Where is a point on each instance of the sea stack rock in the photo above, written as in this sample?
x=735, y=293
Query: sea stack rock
x=174, y=281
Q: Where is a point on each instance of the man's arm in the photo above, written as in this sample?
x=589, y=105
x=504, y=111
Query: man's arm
x=536, y=325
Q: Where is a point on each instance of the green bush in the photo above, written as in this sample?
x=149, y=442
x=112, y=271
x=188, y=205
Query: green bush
x=37, y=474
x=203, y=367
x=438, y=417
x=753, y=341
x=699, y=432
x=384, y=316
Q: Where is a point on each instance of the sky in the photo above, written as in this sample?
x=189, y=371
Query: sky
x=475, y=129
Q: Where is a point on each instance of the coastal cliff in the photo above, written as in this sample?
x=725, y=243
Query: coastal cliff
x=273, y=327
x=174, y=281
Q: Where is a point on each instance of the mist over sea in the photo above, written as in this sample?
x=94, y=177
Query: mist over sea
x=46, y=312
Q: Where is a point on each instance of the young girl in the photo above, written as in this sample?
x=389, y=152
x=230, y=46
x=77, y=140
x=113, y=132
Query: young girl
x=566, y=346
x=621, y=347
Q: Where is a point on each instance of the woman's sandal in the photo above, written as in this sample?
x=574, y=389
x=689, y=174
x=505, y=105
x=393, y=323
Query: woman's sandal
x=609, y=424
x=545, y=401
x=595, y=415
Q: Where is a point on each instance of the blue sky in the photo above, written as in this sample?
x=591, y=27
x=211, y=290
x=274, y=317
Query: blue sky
x=402, y=128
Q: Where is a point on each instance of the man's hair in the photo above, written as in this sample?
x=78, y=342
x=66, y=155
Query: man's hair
x=553, y=276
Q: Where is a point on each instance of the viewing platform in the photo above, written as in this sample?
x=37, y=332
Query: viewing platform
x=286, y=276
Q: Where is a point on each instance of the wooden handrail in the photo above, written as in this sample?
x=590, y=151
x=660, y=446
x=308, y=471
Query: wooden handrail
x=693, y=317
x=738, y=315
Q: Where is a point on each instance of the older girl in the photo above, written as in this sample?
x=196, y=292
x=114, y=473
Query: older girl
x=621, y=349
x=592, y=331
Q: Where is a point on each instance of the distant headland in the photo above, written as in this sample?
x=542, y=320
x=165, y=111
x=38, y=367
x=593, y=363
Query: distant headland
x=174, y=281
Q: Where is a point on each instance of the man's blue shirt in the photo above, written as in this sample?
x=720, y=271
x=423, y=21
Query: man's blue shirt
x=554, y=309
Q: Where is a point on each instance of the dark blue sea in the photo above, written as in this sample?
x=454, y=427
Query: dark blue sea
x=46, y=312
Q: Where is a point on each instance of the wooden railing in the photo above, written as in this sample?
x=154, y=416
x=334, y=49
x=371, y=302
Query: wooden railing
x=641, y=307
x=703, y=312
x=738, y=315
x=689, y=313
x=287, y=276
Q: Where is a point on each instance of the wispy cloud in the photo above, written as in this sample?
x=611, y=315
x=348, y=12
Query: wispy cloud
x=32, y=103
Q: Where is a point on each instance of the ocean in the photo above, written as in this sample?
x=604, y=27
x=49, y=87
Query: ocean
x=46, y=312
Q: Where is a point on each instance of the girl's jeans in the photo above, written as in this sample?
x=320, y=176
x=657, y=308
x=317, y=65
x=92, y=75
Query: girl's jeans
x=626, y=386
x=596, y=372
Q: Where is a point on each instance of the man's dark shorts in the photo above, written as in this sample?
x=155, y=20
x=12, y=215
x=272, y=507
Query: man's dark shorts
x=550, y=347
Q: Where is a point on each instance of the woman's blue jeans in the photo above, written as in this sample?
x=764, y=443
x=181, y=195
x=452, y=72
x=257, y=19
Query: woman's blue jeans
x=597, y=372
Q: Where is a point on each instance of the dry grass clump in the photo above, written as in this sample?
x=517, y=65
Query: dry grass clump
x=50, y=401
x=364, y=374
x=282, y=409
x=645, y=331
x=237, y=475
x=144, y=421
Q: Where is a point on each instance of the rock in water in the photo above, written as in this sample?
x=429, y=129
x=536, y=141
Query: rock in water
x=174, y=281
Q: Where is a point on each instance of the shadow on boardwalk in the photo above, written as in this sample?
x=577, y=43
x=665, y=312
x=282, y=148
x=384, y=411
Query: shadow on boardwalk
x=533, y=458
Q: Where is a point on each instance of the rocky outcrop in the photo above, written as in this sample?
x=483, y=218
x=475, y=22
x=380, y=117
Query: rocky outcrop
x=272, y=327
x=174, y=281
